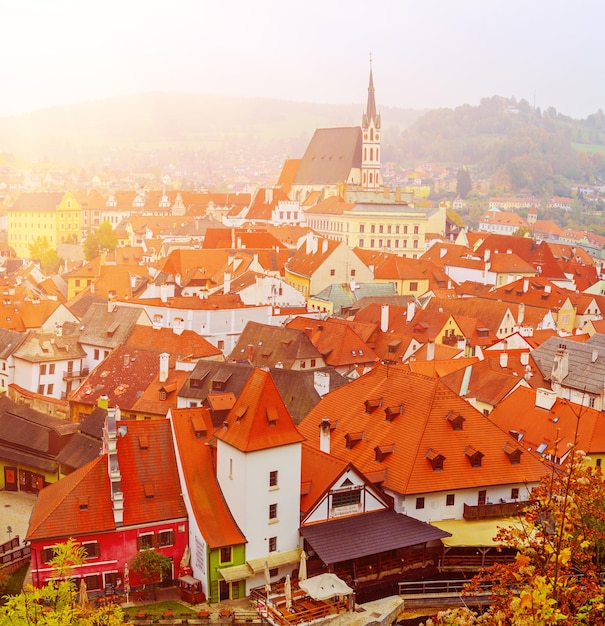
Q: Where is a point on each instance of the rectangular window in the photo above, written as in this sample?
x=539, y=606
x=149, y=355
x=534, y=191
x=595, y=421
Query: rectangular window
x=92, y=549
x=415, y=230
x=144, y=542
x=49, y=389
x=598, y=463
x=41, y=389
x=273, y=475
x=96, y=354
x=397, y=229
x=420, y=503
x=272, y=544
x=449, y=499
x=220, y=344
x=273, y=511
x=47, y=554
x=362, y=228
x=93, y=582
x=414, y=286
x=166, y=538
x=346, y=498
x=332, y=272
x=372, y=228
x=43, y=369
x=482, y=497
x=51, y=368
x=225, y=555
x=514, y=493
x=405, y=230
x=361, y=243
x=313, y=362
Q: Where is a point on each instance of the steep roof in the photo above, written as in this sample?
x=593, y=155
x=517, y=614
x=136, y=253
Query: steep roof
x=405, y=418
x=188, y=344
x=550, y=430
x=145, y=468
x=122, y=377
x=330, y=156
x=265, y=346
x=192, y=431
x=110, y=325
x=259, y=419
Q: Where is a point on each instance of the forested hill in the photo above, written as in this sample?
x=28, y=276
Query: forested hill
x=519, y=145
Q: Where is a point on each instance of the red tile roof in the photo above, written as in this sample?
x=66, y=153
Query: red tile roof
x=419, y=407
x=259, y=419
x=192, y=430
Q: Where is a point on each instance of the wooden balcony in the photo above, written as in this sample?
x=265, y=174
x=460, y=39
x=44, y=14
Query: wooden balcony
x=490, y=511
x=74, y=374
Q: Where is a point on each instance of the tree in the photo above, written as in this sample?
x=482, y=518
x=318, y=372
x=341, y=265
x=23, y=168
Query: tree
x=150, y=565
x=38, y=249
x=560, y=540
x=57, y=603
x=463, y=182
x=102, y=238
x=50, y=262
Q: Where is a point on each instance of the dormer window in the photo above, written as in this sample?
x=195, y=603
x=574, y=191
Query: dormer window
x=391, y=412
x=352, y=439
x=149, y=491
x=143, y=442
x=240, y=412
x=272, y=416
x=455, y=420
x=372, y=405
x=474, y=456
x=382, y=452
x=436, y=459
x=513, y=453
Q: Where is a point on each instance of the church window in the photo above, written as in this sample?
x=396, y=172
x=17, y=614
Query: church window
x=365, y=154
x=371, y=154
x=377, y=154
x=371, y=178
x=371, y=135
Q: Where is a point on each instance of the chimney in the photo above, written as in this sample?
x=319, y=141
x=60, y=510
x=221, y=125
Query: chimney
x=560, y=366
x=594, y=356
x=465, y=380
x=547, y=288
x=324, y=246
x=430, y=350
x=525, y=285
x=411, y=311
x=164, y=293
x=309, y=243
x=442, y=252
x=164, y=357
x=126, y=360
x=520, y=313
x=545, y=398
x=504, y=360
x=227, y=282
x=321, y=382
x=268, y=196
x=111, y=306
x=103, y=402
x=397, y=194
x=324, y=435
x=384, y=318
x=250, y=353
x=486, y=255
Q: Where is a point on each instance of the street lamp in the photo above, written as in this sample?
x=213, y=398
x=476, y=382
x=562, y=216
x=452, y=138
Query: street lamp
x=9, y=530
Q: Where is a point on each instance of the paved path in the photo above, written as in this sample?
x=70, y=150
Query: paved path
x=15, y=509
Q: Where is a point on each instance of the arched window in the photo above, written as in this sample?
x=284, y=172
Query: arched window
x=371, y=154
x=371, y=134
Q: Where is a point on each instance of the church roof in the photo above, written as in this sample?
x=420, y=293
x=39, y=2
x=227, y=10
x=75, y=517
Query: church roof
x=330, y=156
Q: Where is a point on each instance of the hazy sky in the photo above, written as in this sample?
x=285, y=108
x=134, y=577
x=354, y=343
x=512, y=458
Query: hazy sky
x=426, y=53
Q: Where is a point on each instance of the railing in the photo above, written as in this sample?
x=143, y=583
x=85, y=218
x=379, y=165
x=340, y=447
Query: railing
x=12, y=551
x=441, y=592
x=487, y=511
x=71, y=374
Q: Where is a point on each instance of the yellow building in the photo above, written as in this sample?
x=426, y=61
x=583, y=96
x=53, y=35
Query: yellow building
x=389, y=227
x=57, y=216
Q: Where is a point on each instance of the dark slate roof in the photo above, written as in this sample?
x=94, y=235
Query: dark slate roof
x=10, y=340
x=83, y=301
x=330, y=156
x=100, y=327
x=371, y=533
x=586, y=361
x=207, y=375
x=79, y=451
x=92, y=425
x=297, y=388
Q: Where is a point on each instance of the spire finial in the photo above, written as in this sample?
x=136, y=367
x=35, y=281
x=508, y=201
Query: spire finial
x=370, y=59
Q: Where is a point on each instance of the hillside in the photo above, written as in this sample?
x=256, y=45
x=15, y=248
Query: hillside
x=520, y=147
x=131, y=131
x=211, y=139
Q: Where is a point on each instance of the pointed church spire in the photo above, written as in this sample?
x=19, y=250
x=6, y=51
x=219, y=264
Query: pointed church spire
x=371, y=107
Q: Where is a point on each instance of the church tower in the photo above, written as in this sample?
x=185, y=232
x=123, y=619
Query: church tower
x=370, y=128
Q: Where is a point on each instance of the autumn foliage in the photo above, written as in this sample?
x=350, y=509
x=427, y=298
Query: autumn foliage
x=556, y=577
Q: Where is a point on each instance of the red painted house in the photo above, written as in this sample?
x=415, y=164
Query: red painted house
x=127, y=499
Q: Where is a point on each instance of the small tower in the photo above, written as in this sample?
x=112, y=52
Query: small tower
x=371, y=178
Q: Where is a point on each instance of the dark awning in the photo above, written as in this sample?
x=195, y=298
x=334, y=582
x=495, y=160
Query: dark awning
x=371, y=533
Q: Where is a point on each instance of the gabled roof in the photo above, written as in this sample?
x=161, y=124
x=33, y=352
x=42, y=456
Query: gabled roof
x=109, y=326
x=265, y=346
x=550, y=430
x=45, y=347
x=483, y=382
x=192, y=431
x=10, y=340
x=306, y=263
x=586, y=361
x=419, y=424
x=259, y=419
x=122, y=377
x=159, y=396
x=330, y=156
x=58, y=513
x=338, y=340
x=185, y=345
